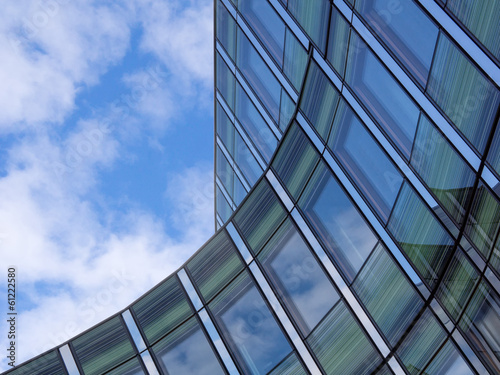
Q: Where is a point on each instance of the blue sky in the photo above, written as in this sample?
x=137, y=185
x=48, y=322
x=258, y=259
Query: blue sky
x=106, y=155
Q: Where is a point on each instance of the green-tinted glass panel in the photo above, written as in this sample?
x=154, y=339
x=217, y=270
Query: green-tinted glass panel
x=132, y=367
x=481, y=324
x=295, y=160
x=495, y=257
x=420, y=235
x=225, y=128
x=481, y=18
x=104, y=347
x=319, y=100
x=457, y=284
x=162, y=309
x=225, y=81
x=442, y=169
x=214, y=265
x=48, y=364
x=384, y=371
x=341, y=346
x=388, y=296
x=339, y=225
x=338, y=42
x=259, y=216
x=483, y=221
x=312, y=15
x=298, y=278
x=287, y=109
x=226, y=29
x=294, y=64
x=421, y=343
x=494, y=152
x=448, y=362
x=463, y=93
x=223, y=208
x=290, y=366
x=186, y=351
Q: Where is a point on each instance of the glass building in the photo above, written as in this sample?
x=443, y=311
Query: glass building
x=357, y=200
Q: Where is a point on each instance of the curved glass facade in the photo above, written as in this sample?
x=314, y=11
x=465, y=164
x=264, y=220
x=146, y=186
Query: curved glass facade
x=357, y=202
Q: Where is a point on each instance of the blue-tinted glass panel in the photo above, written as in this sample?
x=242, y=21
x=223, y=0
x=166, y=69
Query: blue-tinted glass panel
x=340, y=226
x=239, y=191
x=338, y=42
x=226, y=29
x=494, y=152
x=223, y=208
x=248, y=326
x=364, y=160
x=298, y=278
x=448, y=362
x=245, y=160
x=225, y=128
x=312, y=15
x=225, y=81
x=224, y=171
x=382, y=95
x=294, y=64
x=287, y=109
x=266, y=23
x=405, y=29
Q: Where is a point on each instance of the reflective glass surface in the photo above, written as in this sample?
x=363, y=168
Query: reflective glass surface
x=245, y=160
x=225, y=81
x=312, y=15
x=294, y=64
x=336, y=52
x=226, y=29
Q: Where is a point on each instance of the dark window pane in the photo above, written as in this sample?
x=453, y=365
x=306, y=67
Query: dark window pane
x=494, y=152
x=132, y=367
x=48, y=364
x=290, y=366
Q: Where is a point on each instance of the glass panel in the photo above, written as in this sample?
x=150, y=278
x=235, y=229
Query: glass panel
x=364, y=160
x=239, y=191
x=224, y=171
x=382, y=95
x=448, y=362
x=245, y=160
x=483, y=221
x=266, y=23
x=214, y=265
x=341, y=346
x=162, y=309
x=420, y=235
x=104, y=347
x=481, y=18
x=388, y=296
x=312, y=15
x=385, y=371
x=457, y=284
x=259, y=76
x=187, y=351
x=442, y=169
x=481, y=324
x=494, y=152
x=225, y=128
x=226, y=29
x=225, y=81
x=250, y=329
x=48, y=364
x=290, y=366
x=338, y=42
x=287, y=110
x=495, y=256
x=463, y=93
x=254, y=125
x=319, y=100
x=259, y=216
x=300, y=281
x=132, y=367
x=294, y=65
x=223, y=208
x=405, y=29
x=338, y=223
x=295, y=160
x=421, y=343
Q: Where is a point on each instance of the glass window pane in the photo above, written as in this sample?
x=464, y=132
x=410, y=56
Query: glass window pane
x=132, y=367
x=260, y=216
x=253, y=123
x=265, y=85
x=290, y=366
x=481, y=18
x=341, y=346
x=239, y=191
x=442, y=169
x=225, y=81
x=363, y=159
x=104, y=347
x=225, y=128
x=420, y=235
x=226, y=29
x=287, y=109
x=494, y=152
x=266, y=23
x=405, y=29
x=245, y=160
x=388, y=296
x=214, y=265
x=223, y=208
x=250, y=329
x=338, y=42
x=463, y=93
x=224, y=171
x=319, y=100
x=162, y=309
x=299, y=279
x=382, y=95
x=294, y=65
x=481, y=324
x=338, y=223
x=187, y=351
x=448, y=362
x=295, y=160
x=312, y=15
x=421, y=343
x=48, y=364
